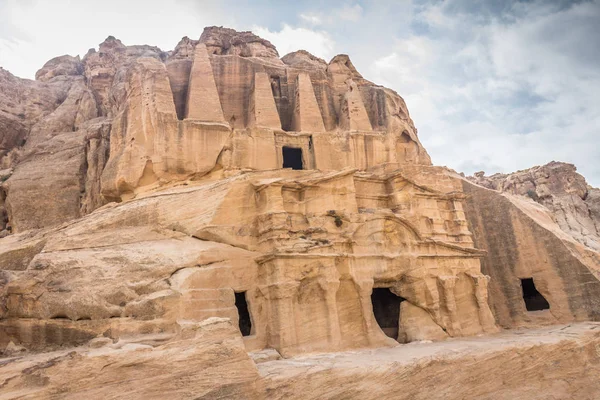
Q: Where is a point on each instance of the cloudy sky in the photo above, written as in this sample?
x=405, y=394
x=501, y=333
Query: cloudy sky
x=492, y=85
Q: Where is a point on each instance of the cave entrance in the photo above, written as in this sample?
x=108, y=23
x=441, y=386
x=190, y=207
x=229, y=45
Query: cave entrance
x=292, y=158
x=241, y=304
x=534, y=301
x=386, y=307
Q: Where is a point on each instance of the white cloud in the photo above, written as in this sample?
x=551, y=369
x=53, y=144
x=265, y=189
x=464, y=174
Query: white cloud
x=312, y=18
x=435, y=16
x=331, y=18
x=290, y=39
x=502, y=96
x=350, y=13
x=497, y=86
x=49, y=29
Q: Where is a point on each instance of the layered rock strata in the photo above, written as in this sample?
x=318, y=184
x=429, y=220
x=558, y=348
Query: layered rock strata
x=562, y=362
x=151, y=191
x=575, y=205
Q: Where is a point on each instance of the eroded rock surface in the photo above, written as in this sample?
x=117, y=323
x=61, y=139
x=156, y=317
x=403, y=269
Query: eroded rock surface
x=288, y=202
x=208, y=361
x=574, y=204
x=205, y=360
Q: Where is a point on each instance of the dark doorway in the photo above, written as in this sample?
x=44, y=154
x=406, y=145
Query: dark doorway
x=534, y=301
x=386, y=307
x=292, y=158
x=244, y=314
x=276, y=86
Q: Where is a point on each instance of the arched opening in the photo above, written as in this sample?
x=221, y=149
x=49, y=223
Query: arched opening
x=292, y=158
x=386, y=308
x=241, y=304
x=405, y=138
x=534, y=301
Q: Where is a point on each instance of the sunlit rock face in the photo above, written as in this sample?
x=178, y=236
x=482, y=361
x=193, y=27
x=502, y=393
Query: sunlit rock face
x=144, y=192
x=573, y=203
x=541, y=223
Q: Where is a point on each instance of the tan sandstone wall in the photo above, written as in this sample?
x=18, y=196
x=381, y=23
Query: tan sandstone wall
x=518, y=247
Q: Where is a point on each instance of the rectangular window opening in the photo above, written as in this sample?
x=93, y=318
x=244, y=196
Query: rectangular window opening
x=241, y=304
x=534, y=300
x=292, y=158
x=386, y=307
x=276, y=86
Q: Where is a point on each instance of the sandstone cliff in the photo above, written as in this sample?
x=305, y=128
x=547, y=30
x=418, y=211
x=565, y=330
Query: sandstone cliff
x=200, y=204
x=575, y=205
x=57, y=129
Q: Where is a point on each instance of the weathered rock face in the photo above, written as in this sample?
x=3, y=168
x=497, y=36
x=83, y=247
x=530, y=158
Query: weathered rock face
x=300, y=243
x=208, y=361
x=253, y=95
x=212, y=347
x=225, y=41
x=151, y=190
x=523, y=242
x=222, y=115
x=43, y=145
x=22, y=104
x=574, y=204
x=544, y=220
x=60, y=66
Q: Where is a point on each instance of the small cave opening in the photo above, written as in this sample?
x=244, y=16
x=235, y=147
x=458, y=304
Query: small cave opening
x=241, y=304
x=405, y=138
x=534, y=300
x=386, y=308
x=292, y=158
